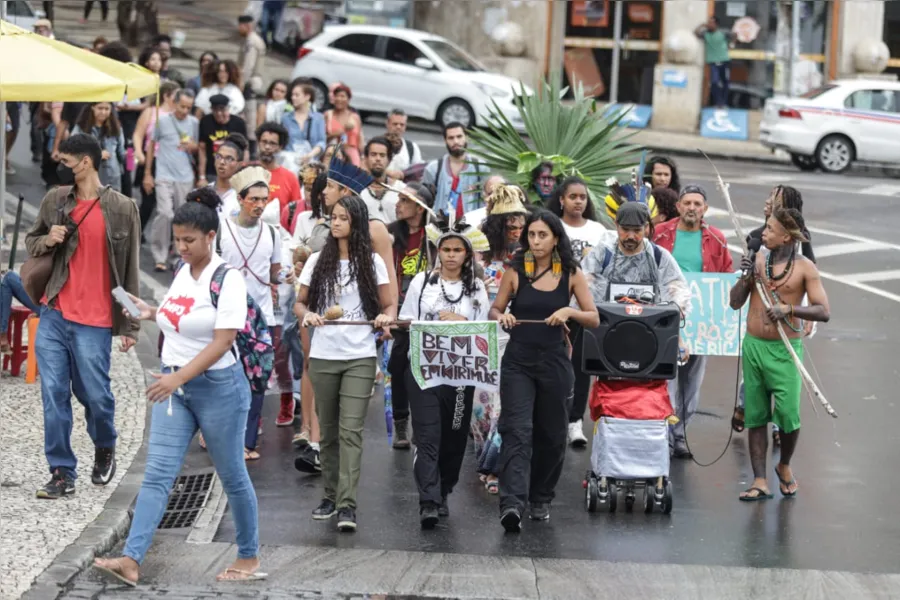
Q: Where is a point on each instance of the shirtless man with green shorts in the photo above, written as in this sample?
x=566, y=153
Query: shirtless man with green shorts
x=769, y=371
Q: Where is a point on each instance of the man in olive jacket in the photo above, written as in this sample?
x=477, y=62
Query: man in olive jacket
x=94, y=233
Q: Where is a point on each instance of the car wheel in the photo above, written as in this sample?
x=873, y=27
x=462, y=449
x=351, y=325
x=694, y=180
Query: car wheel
x=804, y=162
x=456, y=110
x=320, y=102
x=834, y=154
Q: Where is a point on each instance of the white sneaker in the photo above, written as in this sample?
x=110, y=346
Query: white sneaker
x=576, y=435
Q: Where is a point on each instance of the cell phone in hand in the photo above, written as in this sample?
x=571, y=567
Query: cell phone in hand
x=122, y=298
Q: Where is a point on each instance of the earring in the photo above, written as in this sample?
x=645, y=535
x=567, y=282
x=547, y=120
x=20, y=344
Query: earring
x=556, y=264
x=529, y=264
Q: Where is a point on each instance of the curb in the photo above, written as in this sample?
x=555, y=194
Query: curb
x=754, y=158
x=113, y=522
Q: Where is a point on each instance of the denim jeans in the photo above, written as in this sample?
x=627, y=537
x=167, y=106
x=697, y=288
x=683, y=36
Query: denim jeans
x=719, y=74
x=11, y=287
x=217, y=402
x=74, y=358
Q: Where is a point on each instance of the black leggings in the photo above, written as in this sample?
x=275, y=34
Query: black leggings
x=533, y=423
x=441, y=417
x=582, y=384
x=398, y=363
x=104, y=9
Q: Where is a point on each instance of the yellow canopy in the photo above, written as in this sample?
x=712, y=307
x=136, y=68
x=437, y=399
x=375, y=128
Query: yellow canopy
x=37, y=69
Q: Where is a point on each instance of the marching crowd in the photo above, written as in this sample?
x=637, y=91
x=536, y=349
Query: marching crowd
x=291, y=238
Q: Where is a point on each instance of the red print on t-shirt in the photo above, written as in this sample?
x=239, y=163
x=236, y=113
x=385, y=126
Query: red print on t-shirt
x=175, y=308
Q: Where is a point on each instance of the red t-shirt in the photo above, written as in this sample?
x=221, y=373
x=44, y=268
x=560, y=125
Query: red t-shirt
x=85, y=297
x=285, y=186
x=454, y=187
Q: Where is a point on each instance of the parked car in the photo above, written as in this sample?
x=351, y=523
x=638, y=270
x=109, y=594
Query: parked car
x=837, y=124
x=426, y=75
x=22, y=14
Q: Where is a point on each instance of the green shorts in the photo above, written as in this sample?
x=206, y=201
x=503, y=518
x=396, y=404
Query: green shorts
x=769, y=372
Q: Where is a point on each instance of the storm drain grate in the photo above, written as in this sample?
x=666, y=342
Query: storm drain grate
x=186, y=500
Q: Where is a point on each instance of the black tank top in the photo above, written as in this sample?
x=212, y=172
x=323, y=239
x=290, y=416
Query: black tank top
x=533, y=304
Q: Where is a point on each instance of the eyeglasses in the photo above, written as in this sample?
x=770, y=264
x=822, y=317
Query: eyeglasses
x=228, y=160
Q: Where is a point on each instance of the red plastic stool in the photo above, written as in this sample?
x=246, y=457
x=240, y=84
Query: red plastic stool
x=17, y=318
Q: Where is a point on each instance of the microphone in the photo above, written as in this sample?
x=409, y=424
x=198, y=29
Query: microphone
x=753, y=246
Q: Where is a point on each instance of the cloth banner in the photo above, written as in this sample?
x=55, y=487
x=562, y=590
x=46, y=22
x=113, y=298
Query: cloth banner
x=455, y=353
x=712, y=328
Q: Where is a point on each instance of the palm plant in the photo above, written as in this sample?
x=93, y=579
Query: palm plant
x=575, y=138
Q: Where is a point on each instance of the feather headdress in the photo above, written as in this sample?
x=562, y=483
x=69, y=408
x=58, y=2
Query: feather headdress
x=348, y=175
x=473, y=237
x=636, y=191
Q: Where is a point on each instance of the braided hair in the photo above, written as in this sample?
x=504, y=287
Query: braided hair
x=792, y=221
x=325, y=276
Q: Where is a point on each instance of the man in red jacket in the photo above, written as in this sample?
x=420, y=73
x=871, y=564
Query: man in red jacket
x=697, y=247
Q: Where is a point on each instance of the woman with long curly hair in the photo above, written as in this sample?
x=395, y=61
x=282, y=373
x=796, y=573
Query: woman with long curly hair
x=536, y=367
x=451, y=293
x=662, y=172
x=345, y=281
x=220, y=77
x=573, y=204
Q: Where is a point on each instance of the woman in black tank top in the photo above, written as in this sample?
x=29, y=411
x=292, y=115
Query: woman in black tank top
x=536, y=373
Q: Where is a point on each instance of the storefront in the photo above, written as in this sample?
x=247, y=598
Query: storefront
x=594, y=29
x=891, y=35
x=592, y=34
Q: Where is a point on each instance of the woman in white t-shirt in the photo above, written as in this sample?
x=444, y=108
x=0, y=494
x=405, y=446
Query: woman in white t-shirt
x=572, y=203
x=345, y=281
x=451, y=293
x=202, y=386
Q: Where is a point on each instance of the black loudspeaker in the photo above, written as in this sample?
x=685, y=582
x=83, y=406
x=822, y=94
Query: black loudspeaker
x=633, y=341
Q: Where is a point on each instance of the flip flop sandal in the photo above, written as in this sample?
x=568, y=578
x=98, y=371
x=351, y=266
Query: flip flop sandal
x=786, y=484
x=737, y=420
x=251, y=455
x=201, y=441
x=493, y=487
x=761, y=495
x=247, y=576
x=118, y=576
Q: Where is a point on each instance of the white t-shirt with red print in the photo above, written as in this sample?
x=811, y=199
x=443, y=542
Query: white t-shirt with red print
x=188, y=319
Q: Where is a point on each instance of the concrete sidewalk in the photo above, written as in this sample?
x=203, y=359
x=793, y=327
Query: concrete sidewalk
x=66, y=532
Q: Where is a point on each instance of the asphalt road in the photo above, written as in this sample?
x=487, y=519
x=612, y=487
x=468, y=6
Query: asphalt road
x=842, y=518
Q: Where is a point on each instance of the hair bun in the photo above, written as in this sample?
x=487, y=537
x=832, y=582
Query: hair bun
x=205, y=196
x=238, y=140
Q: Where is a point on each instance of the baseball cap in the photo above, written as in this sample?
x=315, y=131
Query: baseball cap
x=219, y=100
x=632, y=214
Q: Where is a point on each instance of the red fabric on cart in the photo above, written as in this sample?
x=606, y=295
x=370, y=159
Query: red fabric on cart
x=634, y=400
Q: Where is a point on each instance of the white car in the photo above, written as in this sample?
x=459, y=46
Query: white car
x=423, y=74
x=22, y=14
x=842, y=122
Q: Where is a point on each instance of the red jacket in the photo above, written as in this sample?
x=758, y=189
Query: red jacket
x=714, y=246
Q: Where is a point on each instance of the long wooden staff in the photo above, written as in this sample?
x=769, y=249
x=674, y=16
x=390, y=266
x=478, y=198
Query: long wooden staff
x=765, y=299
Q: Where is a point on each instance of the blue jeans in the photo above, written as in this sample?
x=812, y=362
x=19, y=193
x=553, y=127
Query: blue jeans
x=11, y=287
x=217, y=402
x=268, y=22
x=74, y=358
x=719, y=74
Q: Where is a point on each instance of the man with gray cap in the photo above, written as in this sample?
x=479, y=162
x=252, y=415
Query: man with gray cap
x=697, y=248
x=634, y=264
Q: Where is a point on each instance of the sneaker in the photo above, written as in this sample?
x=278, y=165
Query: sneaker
x=308, y=461
x=539, y=511
x=428, y=516
x=401, y=434
x=285, y=416
x=104, y=466
x=325, y=510
x=346, y=520
x=297, y=406
x=59, y=485
x=576, y=435
x=443, y=510
x=511, y=520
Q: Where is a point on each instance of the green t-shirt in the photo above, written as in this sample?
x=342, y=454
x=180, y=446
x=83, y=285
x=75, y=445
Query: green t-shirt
x=688, y=251
x=716, y=46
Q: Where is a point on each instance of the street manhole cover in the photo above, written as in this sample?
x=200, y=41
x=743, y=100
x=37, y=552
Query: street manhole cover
x=187, y=499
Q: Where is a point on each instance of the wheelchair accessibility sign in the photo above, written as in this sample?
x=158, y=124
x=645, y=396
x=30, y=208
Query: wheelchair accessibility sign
x=724, y=123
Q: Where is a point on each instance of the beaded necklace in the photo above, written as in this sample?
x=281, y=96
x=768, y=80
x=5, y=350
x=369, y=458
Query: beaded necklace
x=774, y=288
x=447, y=297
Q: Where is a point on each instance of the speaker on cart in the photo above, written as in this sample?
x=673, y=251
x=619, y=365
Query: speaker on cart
x=633, y=341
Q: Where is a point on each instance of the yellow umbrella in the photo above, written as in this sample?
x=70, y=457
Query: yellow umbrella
x=37, y=69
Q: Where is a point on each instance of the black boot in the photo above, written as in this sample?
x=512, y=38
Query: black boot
x=401, y=434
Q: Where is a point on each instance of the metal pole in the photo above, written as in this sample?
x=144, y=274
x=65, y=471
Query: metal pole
x=3, y=151
x=616, y=54
x=796, y=9
x=15, y=235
